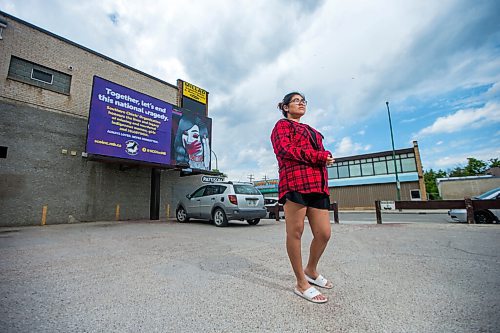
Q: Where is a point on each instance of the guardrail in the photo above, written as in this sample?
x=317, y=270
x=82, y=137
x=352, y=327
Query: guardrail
x=468, y=204
x=279, y=208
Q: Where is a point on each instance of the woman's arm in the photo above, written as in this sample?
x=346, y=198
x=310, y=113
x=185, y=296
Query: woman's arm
x=284, y=148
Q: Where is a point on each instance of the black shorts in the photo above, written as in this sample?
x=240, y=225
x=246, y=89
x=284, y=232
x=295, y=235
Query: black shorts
x=314, y=200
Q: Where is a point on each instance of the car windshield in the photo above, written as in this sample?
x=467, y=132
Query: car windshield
x=487, y=194
x=246, y=189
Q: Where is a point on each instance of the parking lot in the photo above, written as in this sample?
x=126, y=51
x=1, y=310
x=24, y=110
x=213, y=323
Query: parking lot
x=163, y=276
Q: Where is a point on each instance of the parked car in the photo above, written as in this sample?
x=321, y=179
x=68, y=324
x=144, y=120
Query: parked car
x=480, y=216
x=271, y=202
x=221, y=202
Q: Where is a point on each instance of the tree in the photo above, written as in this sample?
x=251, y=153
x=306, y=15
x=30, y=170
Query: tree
x=475, y=167
x=494, y=162
x=430, y=182
x=222, y=174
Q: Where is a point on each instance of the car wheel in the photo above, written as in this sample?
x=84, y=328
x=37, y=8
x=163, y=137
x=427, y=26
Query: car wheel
x=272, y=216
x=482, y=218
x=219, y=217
x=181, y=215
x=253, y=222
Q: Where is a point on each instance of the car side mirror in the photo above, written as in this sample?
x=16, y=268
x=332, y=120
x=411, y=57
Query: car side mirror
x=188, y=196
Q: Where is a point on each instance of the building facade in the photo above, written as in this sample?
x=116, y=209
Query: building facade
x=45, y=94
x=458, y=188
x=356, y=182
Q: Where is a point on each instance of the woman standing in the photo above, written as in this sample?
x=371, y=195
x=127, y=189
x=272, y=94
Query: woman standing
x=303, y=189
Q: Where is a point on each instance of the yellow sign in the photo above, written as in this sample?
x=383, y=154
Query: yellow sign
x=193, y=92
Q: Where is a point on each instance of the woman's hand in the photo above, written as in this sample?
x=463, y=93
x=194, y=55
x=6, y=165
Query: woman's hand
x=329, y=160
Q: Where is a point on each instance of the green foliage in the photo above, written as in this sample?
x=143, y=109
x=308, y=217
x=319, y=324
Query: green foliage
x=430, y=183
x=494, y=162
x=221, y=173
x=474, y=167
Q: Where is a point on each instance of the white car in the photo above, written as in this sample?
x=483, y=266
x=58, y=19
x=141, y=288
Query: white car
x=221, y=202
x=271, y=202
x=480, y=216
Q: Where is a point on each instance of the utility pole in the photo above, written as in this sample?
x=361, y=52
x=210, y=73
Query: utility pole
x=398, y=186
x=250, y=177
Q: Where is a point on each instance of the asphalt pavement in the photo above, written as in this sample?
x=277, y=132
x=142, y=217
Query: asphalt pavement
x=162, y=276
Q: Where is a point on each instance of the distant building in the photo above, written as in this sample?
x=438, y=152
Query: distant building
x=462, y=187
x=356, y=182
x=495, y=171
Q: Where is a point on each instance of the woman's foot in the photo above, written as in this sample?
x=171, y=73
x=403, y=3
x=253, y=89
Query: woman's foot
x=311, y=294
x=318, y=280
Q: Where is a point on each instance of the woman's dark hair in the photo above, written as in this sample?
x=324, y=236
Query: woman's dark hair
x=286, y=100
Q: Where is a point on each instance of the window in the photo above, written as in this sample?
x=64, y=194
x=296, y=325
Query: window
x=39, y=75
x=355, y=170
x=245, y=189
x=415, y=195
x=198, y=193
x=409, y=165
x=380, y=168
x=222, y=189
x=333, y=172
x=343, y=171
x=211, y=190
x=367, y=169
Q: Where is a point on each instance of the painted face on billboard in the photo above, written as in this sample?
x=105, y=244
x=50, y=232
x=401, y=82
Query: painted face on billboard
x=192, y=143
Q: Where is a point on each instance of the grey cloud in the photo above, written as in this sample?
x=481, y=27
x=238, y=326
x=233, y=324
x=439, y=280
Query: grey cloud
x=237, y=45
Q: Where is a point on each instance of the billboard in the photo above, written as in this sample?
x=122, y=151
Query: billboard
x=191, y=139
x=194, y=92
x=125, y=123
x=193, y=98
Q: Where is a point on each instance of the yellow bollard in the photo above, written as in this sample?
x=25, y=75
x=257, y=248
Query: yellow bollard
x=117, y=212
x=44, y=214
x=168, y=211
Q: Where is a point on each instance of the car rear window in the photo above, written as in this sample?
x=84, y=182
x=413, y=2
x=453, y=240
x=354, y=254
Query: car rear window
x=245, y=189
x=487, y=194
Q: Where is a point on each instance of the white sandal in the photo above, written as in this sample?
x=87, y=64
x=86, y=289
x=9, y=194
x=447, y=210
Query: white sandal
x=309, y=295
x=320, y=281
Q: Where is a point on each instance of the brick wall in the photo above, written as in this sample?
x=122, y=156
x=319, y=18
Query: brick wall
x=29, y=43
x=37, y=125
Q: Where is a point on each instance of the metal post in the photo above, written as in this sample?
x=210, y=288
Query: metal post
x=398, y=187
x=469, y=209
x=216, y=164
x=335, y=207
x=154, y=204
x=378, y=212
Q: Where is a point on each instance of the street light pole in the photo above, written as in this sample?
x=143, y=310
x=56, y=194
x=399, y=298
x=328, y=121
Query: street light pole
x=398, y=187
x=216, y=165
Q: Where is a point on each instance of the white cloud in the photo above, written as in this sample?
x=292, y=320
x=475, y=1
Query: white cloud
x=347, y=147
x=348, y=57
x=470, y=118
x=450, y=161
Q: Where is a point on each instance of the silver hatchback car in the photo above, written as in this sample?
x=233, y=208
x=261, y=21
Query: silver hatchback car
x=480, y=216
x=221, y=202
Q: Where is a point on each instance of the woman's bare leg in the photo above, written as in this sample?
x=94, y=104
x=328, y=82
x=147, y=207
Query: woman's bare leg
x=319, y=220
x=294, y=219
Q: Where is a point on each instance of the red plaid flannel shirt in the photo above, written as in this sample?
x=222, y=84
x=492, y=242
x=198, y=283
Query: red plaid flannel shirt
x=302, y=168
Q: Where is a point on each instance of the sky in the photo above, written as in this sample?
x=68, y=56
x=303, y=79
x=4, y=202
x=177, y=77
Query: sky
x=437, y=63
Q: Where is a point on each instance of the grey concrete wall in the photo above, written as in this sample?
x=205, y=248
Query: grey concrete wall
x=37, y=173
x=461, y=188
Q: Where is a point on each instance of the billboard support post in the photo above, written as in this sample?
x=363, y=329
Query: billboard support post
x=154, y=207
